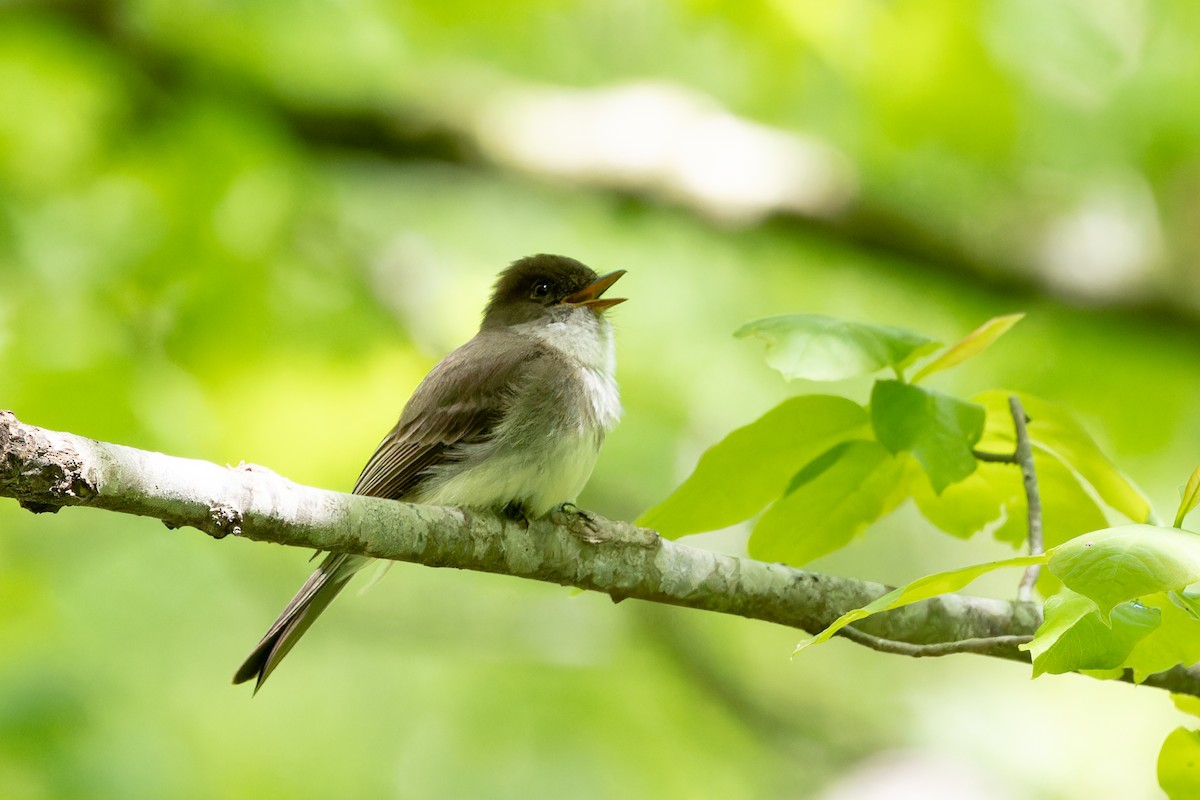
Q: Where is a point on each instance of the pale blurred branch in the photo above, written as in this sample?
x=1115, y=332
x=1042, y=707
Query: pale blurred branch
x=46, y=470
x=1109, y=237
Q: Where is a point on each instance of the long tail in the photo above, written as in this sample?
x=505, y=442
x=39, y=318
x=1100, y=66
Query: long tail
x=300, y=613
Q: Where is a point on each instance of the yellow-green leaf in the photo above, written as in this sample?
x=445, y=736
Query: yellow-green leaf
x=854, y=485
x=1179, y=765
x=1073, y=637
x=1053, y=430
x=821, y=348
x=1187, y=703
x=1117, y=564
x=737, y=477
x=1175, y=641
x=1189, y=499
x=970, y=345
x=921, y=589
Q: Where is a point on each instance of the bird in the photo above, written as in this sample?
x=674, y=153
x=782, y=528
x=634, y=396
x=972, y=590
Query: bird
x=510, y=421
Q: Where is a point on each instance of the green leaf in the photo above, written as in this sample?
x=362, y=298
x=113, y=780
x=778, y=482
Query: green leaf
x=831, y=506
x=1179, y=765
x=1118, y=564
x=992, y=500
x=737, y=477
x=989, y=500
x=921, y=589
x=1103, y=674
x=1189, y=498
x=1054, y=430
x=1188, y=601
x=817, y=467
x=999, y=435
x=1068, y=509
x=938, y=429
x=1073, y=637
x=970, y=345
x=821, y=348
x=1175, y=641
x=1188, y=704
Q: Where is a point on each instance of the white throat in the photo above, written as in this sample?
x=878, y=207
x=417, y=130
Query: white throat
x=586, y=339
x=578, y=333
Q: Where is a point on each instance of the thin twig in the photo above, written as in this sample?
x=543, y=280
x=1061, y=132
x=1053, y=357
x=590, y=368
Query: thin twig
x=979, y=644
x=1024, y=456
x=994, y=458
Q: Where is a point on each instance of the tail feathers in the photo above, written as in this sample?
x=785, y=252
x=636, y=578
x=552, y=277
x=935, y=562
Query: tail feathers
x=299, y=614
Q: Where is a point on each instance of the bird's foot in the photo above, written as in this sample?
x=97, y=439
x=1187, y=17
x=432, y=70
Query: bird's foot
x=516, y=512
x=582, y=525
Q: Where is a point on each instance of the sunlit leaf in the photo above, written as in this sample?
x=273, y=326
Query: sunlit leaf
x=1175, y=641
x=1117, y=564
x=1054, y=430
x=862, y=483
x=989, y=500
x=999, y=436
x=1068, y=509
x=1187, y=703
x=1189, y=499
x=996, y=487
x=992, y=500
x=1187, y=601
x=970, y=345
x=938, y=429
x=921, y=589
x=1073, y=637
x=821, y=348
x=1179, y=765
x=750, y=467
x=1103, y=674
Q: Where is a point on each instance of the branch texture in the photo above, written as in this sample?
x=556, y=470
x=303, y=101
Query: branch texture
x=46, y=470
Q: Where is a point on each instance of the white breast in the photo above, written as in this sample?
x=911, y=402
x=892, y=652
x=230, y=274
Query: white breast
x=497, y=473
x=555, y=476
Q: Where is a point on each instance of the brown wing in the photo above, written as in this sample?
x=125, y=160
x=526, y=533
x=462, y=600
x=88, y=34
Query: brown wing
x=452, y=406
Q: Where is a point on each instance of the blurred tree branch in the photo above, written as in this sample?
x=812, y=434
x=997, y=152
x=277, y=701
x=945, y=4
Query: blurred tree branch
x=998, y=242
x=47, y=470
x=411, y=126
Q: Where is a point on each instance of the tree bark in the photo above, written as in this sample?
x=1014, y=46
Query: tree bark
x=47, y=470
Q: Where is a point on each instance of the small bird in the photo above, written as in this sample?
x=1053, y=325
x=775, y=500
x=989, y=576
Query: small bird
x=512, y=421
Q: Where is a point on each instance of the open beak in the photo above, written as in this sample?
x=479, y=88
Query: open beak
x=589, y=295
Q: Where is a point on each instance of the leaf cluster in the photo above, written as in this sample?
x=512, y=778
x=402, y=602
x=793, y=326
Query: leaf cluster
x=816, y=470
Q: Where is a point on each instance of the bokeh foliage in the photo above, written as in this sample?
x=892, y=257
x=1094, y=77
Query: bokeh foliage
x=244, y=230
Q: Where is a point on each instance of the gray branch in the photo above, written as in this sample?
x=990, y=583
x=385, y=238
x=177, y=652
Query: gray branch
x=46, y=470
x=1033, y=497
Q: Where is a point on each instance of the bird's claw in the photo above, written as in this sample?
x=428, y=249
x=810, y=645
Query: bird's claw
x=580, y=523
x=516, y=513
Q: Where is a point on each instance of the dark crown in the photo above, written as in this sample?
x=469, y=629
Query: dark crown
x=531, y=284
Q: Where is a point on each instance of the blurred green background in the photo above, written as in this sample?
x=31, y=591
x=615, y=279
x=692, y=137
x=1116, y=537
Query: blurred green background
x=244, y=229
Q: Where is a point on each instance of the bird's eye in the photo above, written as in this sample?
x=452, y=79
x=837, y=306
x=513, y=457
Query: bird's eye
x=541, y=290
